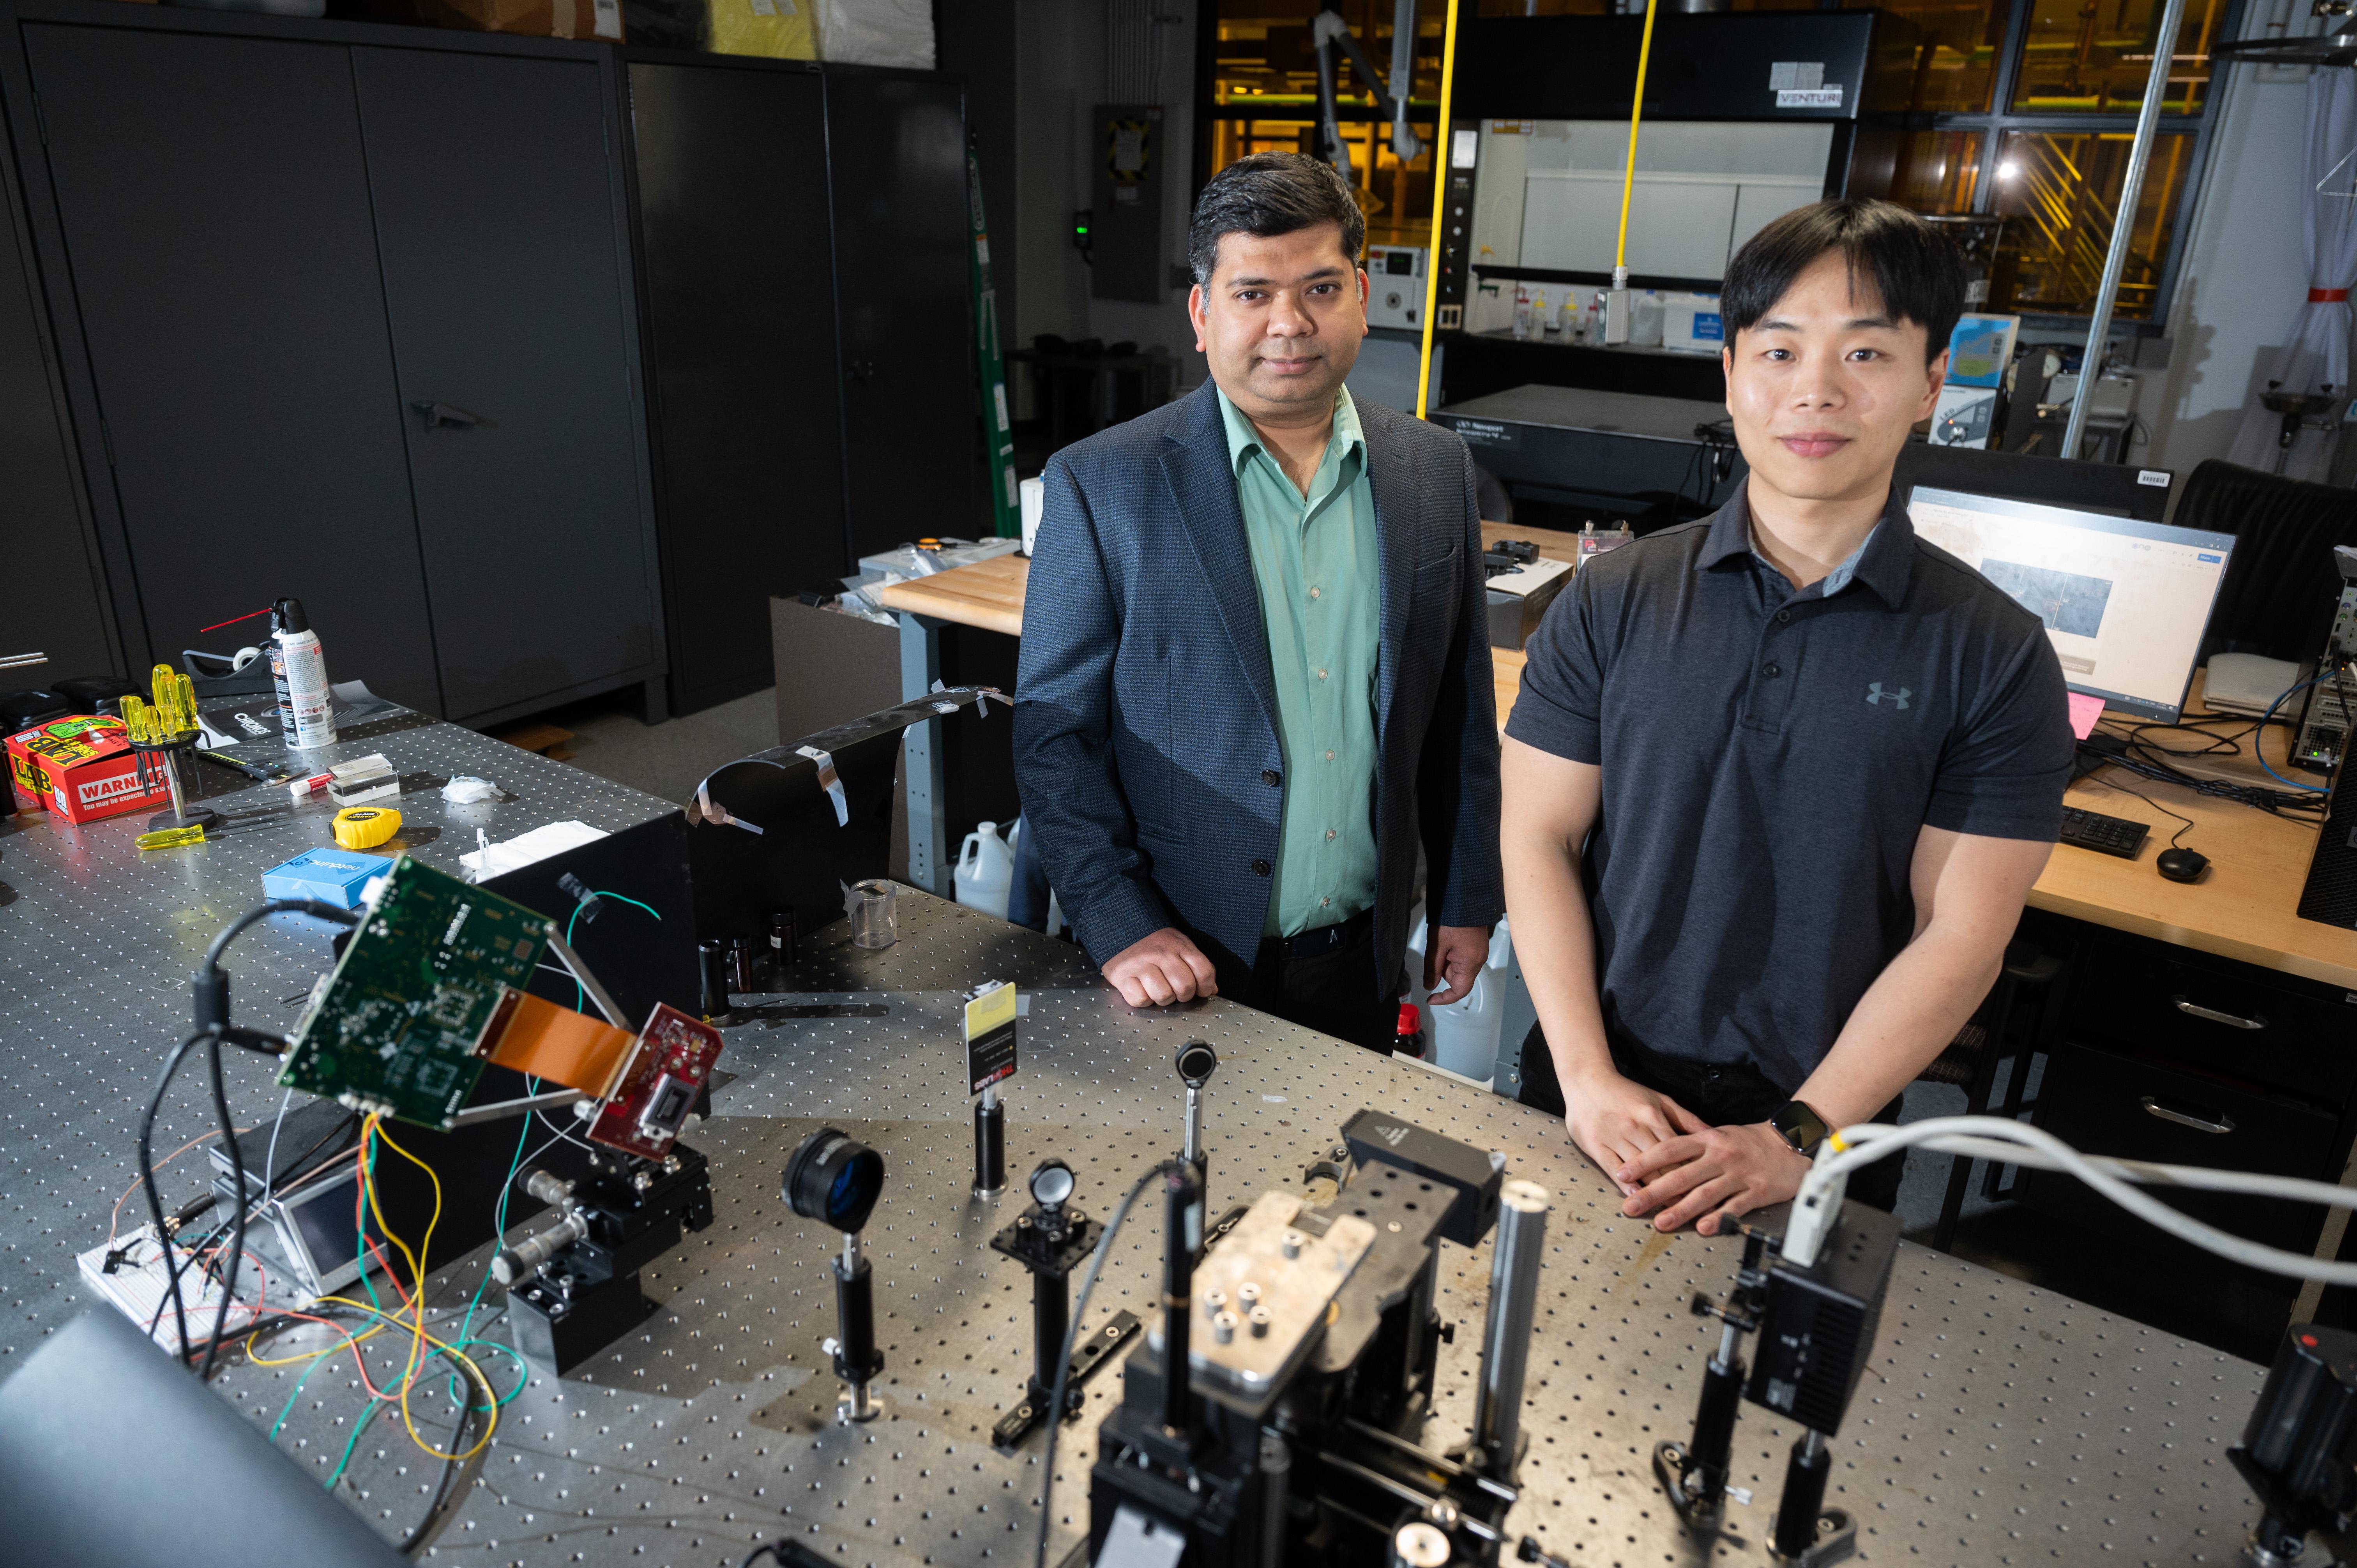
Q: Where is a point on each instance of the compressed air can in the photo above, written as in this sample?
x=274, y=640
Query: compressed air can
x=277, y=657
x=306, y=714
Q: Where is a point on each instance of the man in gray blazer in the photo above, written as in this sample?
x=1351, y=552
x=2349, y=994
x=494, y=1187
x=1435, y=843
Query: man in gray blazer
x=1256, y=669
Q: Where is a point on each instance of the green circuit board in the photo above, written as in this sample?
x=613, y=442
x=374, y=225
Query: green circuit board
x=418, y=988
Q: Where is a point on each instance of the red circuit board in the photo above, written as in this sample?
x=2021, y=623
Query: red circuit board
x=665, y=1076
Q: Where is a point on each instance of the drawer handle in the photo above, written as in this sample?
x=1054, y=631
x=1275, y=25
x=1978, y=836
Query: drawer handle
x=2154, y=1107
x=2232, y=1021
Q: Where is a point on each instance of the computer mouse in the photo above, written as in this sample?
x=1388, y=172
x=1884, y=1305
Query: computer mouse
x=2182, y=864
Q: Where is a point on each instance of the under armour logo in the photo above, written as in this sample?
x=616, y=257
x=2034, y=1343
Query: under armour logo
x=1875, y=694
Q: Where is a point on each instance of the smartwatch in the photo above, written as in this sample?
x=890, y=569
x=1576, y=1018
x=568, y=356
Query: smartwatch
x=1800, y=1126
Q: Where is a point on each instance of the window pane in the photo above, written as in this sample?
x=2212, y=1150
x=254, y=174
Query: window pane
x=1955, y=45
x=1397, y=197
x=1266, y=56
x=2093, y=55
x=1932, y=171
x=2057, y=194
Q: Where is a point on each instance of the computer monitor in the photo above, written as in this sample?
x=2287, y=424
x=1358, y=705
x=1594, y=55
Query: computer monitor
x=2125, y=602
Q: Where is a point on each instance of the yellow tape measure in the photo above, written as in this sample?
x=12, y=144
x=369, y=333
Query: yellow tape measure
x=365, y=827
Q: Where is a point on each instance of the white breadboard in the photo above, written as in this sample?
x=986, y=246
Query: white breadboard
x=139, y=1289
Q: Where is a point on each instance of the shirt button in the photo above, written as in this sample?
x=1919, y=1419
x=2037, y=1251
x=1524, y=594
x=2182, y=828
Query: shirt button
x=1271, y=777
x=1260, y=868
x=1313, y=593
x=1774, y=670
x=1330, y=832
x=1329, y=757
x=1321, y=674
x=1784, y=616
x=1322, y=903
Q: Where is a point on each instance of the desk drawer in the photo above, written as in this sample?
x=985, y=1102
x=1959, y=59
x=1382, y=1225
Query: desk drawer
x=2210, y=1013
x=2105, y=1104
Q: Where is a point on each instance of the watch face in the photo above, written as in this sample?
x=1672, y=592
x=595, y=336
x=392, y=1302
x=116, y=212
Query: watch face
x=1802, y=1128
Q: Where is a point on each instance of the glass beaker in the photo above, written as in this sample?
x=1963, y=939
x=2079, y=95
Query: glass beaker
x=874, y=921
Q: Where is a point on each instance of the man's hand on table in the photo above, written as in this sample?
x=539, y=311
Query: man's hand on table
x=1711, y=1177
x=1614, y=1121
x=1456, y=955
x=1161, y=968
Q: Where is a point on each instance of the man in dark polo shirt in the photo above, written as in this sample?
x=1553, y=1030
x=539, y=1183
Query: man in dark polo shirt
x=1779, y=781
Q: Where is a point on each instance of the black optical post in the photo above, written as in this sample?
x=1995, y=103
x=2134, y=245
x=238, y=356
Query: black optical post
x=1694, y=1475
x=989, y=1145
x=1051, y=1238
x=990, y=1012
x=835, y=1180
x=1183, y=1197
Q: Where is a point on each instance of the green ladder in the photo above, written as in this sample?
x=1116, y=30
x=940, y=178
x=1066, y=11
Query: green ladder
x=997, y=419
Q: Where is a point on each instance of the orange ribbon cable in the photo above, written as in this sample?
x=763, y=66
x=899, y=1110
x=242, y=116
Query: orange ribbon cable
x=551, y=1042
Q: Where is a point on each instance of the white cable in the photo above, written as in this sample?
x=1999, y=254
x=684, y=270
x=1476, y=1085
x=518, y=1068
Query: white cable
x=270, y=1159
x=1991, y=1137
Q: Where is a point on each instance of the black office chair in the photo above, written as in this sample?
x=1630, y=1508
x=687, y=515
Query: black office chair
x=1970, y=1063
x=2281, y=588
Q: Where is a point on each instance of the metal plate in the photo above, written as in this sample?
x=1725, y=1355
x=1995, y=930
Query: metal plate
x=1997, y=1423
x=1252, y=1268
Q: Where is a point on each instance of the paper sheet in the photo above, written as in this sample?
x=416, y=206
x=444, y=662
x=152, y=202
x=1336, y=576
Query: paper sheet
x=2085, y=711
x=500, y=859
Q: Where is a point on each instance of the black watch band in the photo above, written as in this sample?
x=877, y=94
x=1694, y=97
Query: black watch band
x=1800, y=1126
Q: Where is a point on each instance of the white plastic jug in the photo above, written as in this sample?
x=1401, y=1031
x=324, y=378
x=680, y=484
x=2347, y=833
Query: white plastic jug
x=985, y=870
x=1464, y=1033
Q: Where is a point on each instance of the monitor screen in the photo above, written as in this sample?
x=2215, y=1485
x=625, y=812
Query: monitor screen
x=2125, y=602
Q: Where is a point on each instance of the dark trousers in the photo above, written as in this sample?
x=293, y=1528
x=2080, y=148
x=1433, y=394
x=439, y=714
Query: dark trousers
x=1725, y=1094
x=1326, y=979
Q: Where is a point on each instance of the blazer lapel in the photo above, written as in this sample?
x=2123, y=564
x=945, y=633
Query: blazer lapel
x=1203, y=488
x=1389, y=482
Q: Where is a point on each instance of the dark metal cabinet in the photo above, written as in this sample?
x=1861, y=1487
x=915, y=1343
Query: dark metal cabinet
x=272, y=241
x=507, y=305
x=214, y=203
x=56, y=604
x=896, y=143
x=739, y=286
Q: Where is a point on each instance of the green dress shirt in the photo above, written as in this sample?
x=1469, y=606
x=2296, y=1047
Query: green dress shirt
x=1314, y=562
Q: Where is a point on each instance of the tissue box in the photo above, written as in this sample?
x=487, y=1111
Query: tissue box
x=335, y=876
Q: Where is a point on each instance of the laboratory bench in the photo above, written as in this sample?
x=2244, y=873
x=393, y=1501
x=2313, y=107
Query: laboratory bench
x=1996, y=1422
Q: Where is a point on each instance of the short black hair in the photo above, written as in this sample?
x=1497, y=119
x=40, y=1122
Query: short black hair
x=1916, y=268
x=1269, y=194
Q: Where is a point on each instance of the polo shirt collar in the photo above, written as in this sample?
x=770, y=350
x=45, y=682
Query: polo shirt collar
x=1243, y=440
x=1884, y=563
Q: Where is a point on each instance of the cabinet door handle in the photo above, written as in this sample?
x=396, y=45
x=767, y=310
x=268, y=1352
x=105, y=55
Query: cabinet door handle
x=2195, y=1009
x=2153, y=1107
x=441, y=414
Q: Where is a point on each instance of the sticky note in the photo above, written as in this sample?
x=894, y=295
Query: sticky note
x=2085, y=711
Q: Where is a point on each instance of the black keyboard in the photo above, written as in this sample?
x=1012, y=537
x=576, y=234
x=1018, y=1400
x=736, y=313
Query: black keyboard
x=2105, y=835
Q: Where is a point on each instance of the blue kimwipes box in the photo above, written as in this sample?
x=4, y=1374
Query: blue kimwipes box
x=335, y=876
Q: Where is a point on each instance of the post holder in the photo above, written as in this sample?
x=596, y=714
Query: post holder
x=1052, y=1241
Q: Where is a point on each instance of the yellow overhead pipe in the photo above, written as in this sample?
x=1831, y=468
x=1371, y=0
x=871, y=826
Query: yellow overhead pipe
x=1616, y=308
x=1441, y=143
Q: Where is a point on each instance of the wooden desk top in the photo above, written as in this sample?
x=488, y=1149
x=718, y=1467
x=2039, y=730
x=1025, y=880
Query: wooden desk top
x=2242, y=908
x=1553, y=544
x=988, y=593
